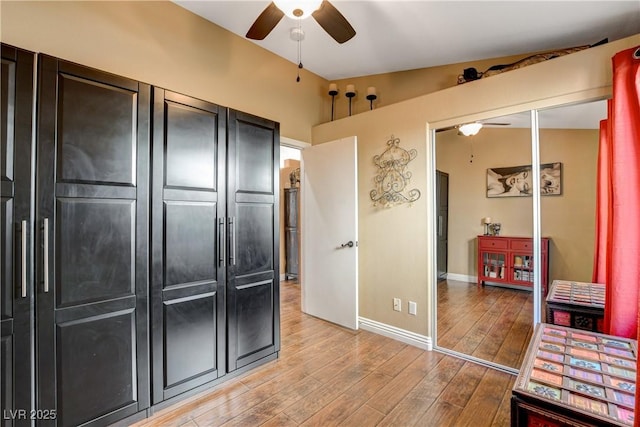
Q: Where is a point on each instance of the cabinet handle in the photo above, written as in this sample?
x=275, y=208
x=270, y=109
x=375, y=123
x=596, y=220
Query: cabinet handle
x=232, y=237
x=440, y=225
x=221, y=242
x=23, y=251
x=45, y=257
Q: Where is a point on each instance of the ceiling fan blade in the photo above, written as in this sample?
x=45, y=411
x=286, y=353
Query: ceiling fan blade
x=495, y=124
x=333, y=22
x=266, y=22
x=446, y=129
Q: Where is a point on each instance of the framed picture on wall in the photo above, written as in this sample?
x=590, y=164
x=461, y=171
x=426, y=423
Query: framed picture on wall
x=516, y=181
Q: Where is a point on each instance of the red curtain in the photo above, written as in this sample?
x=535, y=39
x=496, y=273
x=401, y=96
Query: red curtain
x=617, y=251
x=617, y=262
x=602, y=203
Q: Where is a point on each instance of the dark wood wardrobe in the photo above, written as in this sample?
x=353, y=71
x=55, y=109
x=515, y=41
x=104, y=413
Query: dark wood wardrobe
x=150, y=250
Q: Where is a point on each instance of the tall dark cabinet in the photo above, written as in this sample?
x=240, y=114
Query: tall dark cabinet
x=137, y=256
x=16, y=235
x=214, y=289
x=291, y=236
x=188, y=243
x=253, y=295
x=92, y=240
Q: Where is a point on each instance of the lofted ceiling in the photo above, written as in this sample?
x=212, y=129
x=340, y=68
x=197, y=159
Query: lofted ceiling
x=397, y=35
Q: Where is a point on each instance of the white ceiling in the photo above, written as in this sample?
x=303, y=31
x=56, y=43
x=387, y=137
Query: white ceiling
x=395, y=35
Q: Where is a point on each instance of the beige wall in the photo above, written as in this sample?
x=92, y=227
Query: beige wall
x=395, y=87
x=163, y=44
x=568, y=219
x=397, y=244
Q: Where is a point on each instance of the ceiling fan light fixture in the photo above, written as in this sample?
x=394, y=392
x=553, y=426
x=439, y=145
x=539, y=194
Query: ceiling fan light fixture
x=298, y=9
x=470, y=129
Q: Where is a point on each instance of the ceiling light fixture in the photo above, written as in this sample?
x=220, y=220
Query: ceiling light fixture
x=299, y=9
x=470, y=129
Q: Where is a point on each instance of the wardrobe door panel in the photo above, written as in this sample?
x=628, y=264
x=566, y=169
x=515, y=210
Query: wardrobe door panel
x=191, y=146
x=190, y=231
x=7, y=115
x=255, y=152
x=187, y=275
x=96, y=372
x=6, y=371
x=254, y=238
x=6, y=257
x=93, y=160
x=252, y=286
x=255, y=317
x=97, y=252
x=190, y=343
x=16, y=235
x=91, y=151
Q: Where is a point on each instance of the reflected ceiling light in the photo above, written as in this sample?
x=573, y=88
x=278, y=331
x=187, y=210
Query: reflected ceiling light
x=470, y=129
x=299, y=9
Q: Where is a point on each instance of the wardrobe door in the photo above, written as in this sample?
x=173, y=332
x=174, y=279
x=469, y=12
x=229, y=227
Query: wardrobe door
x=253, y=272
x=188, y=214
x=92, y=261
x=16, y=225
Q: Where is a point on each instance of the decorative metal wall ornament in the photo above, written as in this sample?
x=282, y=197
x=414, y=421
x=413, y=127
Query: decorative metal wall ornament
x=294, y=177
x=393, y=178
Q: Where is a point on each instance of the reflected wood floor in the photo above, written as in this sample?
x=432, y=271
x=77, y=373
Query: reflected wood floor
x=489, y=322
x=328, y=376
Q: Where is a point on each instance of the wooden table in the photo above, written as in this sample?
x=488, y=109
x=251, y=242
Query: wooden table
x=576, y=378
x=576, y=304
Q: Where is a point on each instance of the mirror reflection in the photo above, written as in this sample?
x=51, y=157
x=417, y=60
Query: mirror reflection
x=570, y=134
x=485, y=264
x=485, y=267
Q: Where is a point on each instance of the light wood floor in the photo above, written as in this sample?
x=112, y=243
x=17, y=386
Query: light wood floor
x=489, y=322
x=327, y=376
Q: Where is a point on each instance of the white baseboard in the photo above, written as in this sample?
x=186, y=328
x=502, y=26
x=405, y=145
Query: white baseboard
x=462, y=278
x=411, y=338
x=283, y=277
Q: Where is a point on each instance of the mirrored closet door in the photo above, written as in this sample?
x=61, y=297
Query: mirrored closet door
x=485, y=299
x=484, y=291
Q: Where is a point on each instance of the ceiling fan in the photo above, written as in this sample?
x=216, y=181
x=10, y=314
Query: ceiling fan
x=329, y=18
x=470, y=129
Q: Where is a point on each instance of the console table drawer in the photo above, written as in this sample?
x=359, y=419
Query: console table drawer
x=494, y=243
x=522, y=245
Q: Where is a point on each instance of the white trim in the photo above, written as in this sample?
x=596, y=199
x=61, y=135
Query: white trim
x=462, y=277
x=416, y=340
x=283, y=277
x=290, y=142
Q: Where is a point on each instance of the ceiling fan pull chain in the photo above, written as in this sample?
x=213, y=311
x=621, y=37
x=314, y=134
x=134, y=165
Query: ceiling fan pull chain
x=299, y=49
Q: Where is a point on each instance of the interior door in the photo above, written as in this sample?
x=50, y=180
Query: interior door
x=92, y=196
x=188, y=222
x=329, y=208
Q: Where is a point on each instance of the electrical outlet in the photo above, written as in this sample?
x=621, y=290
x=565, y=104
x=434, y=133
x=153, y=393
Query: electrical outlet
x=413, y=307
x=397, y=304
